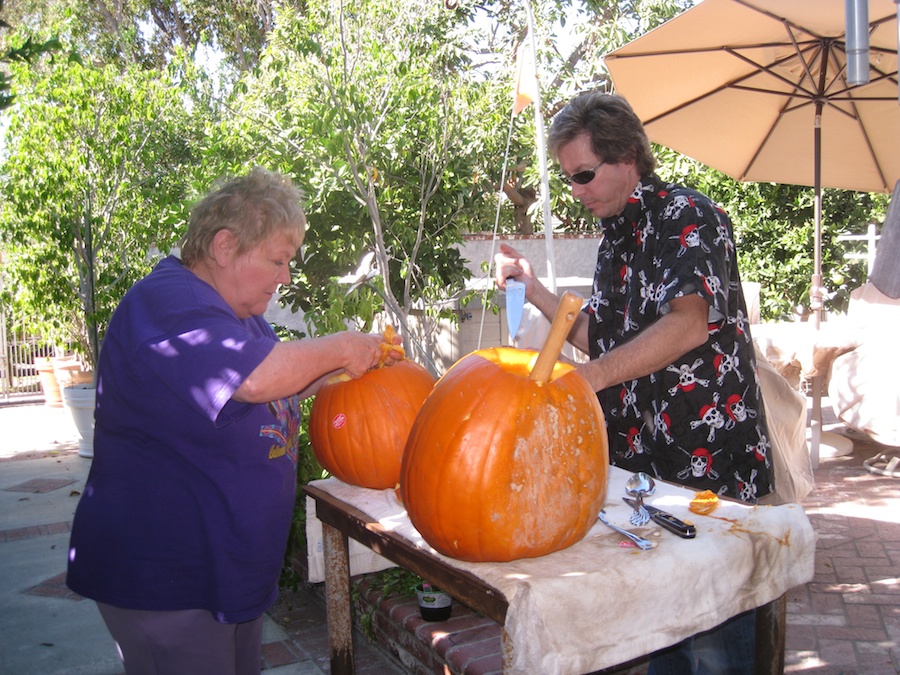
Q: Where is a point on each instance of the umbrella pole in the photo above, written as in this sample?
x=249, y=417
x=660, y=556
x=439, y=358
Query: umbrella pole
x=815, y=423
x=834, y=442
x=815, y=291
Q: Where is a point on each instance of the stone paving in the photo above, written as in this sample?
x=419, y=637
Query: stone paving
x=46, y=629
x=845, y=621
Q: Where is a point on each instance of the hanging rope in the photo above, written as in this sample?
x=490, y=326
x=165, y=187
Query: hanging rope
x=500, y=197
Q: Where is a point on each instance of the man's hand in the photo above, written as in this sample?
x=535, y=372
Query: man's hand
x=510, y=263
x=675, y=334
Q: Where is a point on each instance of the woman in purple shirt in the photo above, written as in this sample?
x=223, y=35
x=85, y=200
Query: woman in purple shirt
x=181, y=531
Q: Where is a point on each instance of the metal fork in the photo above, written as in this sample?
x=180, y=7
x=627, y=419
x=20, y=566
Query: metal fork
x=640, y=516
x=643, y=544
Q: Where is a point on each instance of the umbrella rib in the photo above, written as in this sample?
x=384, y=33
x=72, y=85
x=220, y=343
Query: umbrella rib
x=859, y=121
x=787, y=107
x=876, y=23
x=872, y=154
x=702, y=50
x=768, y=69
x=820, y=52
x=765, y=142
x=830, y=57
x=792, y=29
x=735, y=83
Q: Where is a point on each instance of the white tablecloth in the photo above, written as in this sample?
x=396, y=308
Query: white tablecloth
x=598, y=603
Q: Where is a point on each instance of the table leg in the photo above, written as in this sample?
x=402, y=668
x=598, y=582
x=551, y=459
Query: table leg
x=506, y=651
x=771, y=622
x=337, y=600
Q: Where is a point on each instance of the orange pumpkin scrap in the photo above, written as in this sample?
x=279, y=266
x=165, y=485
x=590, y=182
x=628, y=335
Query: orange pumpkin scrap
x=704, y=502
x=388, y=346
x=358, y=427
x=499, y=467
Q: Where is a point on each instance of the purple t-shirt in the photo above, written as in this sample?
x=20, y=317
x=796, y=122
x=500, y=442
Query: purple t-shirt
x=190, y=496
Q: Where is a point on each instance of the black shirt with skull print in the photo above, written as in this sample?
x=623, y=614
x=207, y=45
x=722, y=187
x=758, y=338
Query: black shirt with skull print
x=700, y=421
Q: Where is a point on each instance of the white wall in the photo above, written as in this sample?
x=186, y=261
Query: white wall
x=575, y=258
x=575, y=255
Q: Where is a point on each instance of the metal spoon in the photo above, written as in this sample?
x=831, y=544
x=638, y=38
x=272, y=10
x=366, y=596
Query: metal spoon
x=637, y=486
x=643, y=544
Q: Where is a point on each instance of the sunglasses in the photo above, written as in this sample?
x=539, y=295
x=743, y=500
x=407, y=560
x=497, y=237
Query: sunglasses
x=582, y=177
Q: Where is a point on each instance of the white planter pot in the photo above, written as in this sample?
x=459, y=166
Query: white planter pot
x=80, y=399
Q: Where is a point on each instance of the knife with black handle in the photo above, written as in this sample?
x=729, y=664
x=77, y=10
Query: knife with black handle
x=666, y=520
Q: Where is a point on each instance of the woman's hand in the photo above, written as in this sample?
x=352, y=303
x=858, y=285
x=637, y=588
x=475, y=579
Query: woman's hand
x=361, y=352
x=302, y=365
x=388, y=351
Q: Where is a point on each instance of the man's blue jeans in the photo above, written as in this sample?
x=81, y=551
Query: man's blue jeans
x=727, y=649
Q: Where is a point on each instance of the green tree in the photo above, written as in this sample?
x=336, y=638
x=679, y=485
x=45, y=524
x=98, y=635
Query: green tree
x=369, y=107
x=151, y=32
x=21, y=49
x=91, y=179
x=572, y=38
x=337, y=90
x=774, y=230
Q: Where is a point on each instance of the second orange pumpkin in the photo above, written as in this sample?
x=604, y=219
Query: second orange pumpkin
x=358, y=427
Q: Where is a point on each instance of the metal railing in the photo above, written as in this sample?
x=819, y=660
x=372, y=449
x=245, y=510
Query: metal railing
x=19, y=378
x=871, y=238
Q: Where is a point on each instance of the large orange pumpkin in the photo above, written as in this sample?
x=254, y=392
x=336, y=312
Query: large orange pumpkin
x=498, y=466
x=358, y=427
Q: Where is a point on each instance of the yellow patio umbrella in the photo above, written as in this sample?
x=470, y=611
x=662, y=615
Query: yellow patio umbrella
x=759, y=90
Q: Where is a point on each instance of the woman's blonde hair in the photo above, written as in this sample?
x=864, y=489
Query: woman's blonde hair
x=252, y=208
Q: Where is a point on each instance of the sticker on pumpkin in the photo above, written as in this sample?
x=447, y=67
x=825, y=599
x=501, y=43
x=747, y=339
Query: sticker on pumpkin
x=339, y=421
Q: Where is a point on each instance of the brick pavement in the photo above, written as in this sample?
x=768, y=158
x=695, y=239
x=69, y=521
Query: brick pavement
x=847, y=619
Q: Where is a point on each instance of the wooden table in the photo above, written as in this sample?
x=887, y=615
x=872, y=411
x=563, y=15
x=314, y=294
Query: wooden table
x=342, y=521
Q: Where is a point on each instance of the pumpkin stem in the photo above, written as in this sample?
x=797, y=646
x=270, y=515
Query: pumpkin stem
x=566, y=313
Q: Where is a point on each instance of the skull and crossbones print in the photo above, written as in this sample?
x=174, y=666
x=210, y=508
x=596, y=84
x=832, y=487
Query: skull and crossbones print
x=699, y=418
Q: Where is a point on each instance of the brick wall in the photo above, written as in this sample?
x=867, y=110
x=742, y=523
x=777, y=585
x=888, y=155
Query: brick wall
x=466, y=644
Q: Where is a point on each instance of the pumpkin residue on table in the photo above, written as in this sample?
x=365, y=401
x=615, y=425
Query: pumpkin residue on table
x=737, y=528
